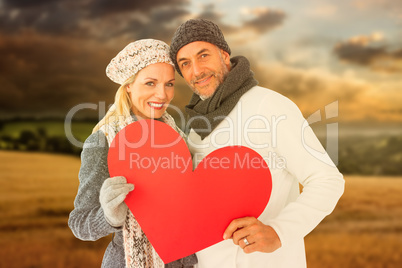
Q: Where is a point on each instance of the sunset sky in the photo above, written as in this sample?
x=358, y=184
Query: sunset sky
x=54, y=53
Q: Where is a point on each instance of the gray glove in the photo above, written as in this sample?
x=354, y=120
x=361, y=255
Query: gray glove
x=112, y=194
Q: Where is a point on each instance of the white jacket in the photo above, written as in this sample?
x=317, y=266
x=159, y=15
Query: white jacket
x=273, y=126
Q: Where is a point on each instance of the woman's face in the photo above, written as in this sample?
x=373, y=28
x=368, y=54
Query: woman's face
x=152, y=90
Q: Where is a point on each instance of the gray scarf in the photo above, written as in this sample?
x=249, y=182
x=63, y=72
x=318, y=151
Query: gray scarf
x=205, y=115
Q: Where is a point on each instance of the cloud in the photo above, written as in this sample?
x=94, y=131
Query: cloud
x=369, y=51
x=384, y=5
x=94, y=7
x=323, y=10
x=47, y=74
x=209, y=13
x=24, y=3
x=358, y=49
x=261, y=19
x=313, y=89
x=46, y=17
x=106, y=7
x=54, y=53
x=44, y=75
x=120, y=19
x=252, y=23
x=85, y=18
x=161, y=23
x=264, y=20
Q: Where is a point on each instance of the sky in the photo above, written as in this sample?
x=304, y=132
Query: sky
x=54, y=53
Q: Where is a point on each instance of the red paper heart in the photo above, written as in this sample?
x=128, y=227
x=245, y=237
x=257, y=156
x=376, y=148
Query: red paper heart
x=181, y=211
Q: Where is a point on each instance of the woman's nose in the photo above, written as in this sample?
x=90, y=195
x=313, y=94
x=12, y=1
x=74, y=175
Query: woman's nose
x=161, y=92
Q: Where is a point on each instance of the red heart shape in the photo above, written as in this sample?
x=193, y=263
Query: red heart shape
x=181, y=211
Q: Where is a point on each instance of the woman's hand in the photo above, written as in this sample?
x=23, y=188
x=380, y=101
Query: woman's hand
x=259, y=237
x=112, y=194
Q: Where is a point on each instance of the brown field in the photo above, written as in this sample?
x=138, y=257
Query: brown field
x=37, y=193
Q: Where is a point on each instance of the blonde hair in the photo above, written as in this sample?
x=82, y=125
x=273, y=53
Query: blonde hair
x=121, y=108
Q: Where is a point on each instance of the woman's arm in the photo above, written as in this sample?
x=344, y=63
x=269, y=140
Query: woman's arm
x=87, y=220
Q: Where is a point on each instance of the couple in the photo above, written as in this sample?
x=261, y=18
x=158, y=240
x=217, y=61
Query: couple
x=223, y=88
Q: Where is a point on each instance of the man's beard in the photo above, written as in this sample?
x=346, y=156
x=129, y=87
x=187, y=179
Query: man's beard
x=220, y=77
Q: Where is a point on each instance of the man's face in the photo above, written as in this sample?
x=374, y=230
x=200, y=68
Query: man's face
x=204, y=67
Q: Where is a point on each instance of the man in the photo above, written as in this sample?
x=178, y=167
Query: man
x=228, y=108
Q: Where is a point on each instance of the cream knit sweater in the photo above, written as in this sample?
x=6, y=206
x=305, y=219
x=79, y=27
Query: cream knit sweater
x=273, y=126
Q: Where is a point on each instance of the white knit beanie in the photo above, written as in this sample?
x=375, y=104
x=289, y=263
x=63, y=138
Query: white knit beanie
x=136, y=56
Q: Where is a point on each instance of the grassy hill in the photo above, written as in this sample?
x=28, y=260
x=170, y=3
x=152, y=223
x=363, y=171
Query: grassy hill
x=36, y=196
x=37, y=191
x=379, y=154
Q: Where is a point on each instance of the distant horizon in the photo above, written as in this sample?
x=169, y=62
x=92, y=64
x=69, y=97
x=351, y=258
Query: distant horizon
x=345, y=129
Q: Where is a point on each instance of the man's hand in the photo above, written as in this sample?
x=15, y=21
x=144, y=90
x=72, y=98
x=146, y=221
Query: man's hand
x=260, y=237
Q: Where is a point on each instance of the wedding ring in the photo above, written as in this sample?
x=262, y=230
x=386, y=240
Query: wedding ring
x=246, y=241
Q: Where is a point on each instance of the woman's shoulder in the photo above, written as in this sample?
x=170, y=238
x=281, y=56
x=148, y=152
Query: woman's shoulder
x=94, y=152
x=96, y=140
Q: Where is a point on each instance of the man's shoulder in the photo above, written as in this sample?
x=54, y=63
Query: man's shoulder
x=258, y=95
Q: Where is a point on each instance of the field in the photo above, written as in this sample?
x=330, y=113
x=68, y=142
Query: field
x=53, y=128
x=37, y=192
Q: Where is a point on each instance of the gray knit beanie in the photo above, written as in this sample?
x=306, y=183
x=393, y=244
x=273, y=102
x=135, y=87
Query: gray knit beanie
x=196, y=30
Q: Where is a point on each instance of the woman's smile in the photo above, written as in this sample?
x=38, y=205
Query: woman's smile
x=156, y=105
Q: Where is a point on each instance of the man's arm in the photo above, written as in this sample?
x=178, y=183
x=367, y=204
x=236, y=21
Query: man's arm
x=322, y=183
x=260, y=237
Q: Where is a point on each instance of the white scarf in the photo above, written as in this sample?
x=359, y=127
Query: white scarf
x=138, y=251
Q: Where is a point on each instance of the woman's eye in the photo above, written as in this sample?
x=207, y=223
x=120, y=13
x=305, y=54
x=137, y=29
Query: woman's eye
x=149, y=84
x=170, y=84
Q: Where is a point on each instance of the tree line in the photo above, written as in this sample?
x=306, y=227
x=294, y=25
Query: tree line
x=38, y=140
x=379, y=155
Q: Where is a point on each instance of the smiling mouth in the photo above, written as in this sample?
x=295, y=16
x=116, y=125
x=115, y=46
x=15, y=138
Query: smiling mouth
x=203, y=81
x=156, y=105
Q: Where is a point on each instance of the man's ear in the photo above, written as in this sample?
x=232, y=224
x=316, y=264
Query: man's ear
x=226, y=58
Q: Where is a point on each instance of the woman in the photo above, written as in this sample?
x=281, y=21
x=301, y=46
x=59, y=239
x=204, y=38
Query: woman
x=146, y=75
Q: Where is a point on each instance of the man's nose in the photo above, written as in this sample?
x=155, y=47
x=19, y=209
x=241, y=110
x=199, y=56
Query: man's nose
x=197, y=69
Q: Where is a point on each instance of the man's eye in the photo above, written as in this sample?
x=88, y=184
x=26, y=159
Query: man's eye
x=184, y=64
x=204, y=55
